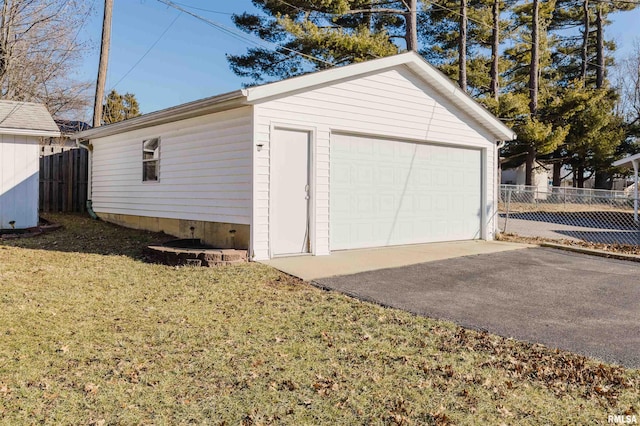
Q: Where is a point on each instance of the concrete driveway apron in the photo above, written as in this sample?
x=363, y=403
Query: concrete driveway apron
x=352, y=261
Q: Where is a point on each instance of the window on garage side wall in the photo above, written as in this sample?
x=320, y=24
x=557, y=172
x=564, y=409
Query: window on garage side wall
x=150, y=160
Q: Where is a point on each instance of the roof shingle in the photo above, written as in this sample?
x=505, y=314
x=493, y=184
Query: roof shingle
x=25, y=116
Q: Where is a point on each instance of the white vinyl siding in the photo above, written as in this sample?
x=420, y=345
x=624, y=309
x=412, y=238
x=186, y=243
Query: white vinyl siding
x=19, y=181
x=205, y=170
x=393, y=103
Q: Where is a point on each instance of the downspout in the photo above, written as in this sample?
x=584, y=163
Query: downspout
x=496, y=187
x=89, y=205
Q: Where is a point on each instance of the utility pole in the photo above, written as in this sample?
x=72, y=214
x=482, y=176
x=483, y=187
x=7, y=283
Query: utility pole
x=104, y=59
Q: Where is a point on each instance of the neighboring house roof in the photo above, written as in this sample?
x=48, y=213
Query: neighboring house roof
x=69, y=127
x=436, y=80
x=26, y=118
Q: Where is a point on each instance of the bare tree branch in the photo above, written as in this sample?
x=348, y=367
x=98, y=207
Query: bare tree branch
x=39, y=53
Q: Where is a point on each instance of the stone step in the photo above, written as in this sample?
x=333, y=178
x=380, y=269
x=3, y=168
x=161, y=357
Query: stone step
x=174, y=256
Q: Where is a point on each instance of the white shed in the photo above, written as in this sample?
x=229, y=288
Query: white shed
x=22, y=125
x=385, y=152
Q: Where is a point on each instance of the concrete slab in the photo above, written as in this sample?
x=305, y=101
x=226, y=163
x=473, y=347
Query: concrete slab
x=347, y=262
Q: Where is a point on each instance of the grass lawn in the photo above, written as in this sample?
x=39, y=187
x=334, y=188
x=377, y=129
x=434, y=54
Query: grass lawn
x=90, y=334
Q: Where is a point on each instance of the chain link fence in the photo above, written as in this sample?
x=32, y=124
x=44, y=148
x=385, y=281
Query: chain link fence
x=591, y=215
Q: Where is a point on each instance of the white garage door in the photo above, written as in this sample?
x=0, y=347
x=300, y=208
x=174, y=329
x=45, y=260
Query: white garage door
x=386, y=192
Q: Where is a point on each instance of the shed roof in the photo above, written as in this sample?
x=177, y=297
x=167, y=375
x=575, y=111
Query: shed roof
x=254, y=95
x=26, y=118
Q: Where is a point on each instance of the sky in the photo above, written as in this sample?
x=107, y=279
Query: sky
x=167, y=58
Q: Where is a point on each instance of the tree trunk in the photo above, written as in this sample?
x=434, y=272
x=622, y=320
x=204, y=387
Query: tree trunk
x=104, y=59
x=495, y=51
x=557, y=174
x=528, y=168
x=535, y=54
x=5, y=25
x=533, y=84
x=580, y=177
x=411, y=30
x=600, y=46
x=603, y=180
x=462, y=47
x=585, y=41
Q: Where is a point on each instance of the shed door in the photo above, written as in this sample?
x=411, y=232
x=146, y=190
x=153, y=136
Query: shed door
x=387, y=192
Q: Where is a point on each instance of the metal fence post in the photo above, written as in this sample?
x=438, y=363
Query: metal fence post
x=506, y=218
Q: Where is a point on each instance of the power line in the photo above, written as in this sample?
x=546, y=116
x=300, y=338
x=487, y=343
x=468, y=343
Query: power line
x=13, y=110
x=204, y=10
x=455, y=12
x=619, y=1
x=148, y=50
x=241, y=35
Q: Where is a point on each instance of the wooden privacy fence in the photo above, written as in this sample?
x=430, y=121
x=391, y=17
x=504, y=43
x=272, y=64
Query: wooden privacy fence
x=63, y=181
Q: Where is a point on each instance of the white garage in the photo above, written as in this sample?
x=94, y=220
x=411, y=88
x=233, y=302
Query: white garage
x=380, y=153
x=389, y=192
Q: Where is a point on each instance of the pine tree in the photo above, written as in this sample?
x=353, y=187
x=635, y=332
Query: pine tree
x=119, y=107
x=533, y=82
x=581, y=59
x=459, y=39
x=327, y=33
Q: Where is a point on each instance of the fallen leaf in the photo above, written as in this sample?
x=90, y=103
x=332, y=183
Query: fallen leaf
x=91, y=389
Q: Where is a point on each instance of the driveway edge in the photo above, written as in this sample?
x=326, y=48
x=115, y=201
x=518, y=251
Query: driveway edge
x=593, y=252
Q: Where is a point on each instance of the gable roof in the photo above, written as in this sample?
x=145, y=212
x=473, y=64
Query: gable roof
x=26, y=118
x=254, y=95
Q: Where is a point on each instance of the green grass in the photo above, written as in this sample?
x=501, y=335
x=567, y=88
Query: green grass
x=90, y=334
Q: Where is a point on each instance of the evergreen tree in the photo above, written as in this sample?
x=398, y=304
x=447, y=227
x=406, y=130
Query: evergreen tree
x=581, y=60
x=119, y=107
x=533, y=84
x=327, y=32
x=459, y=37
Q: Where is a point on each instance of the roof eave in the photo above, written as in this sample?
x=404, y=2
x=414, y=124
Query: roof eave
x=180, y=112
x=30, y=132
x=628, y=161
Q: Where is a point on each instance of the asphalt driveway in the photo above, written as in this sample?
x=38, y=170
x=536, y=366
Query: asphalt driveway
x=581, y=303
